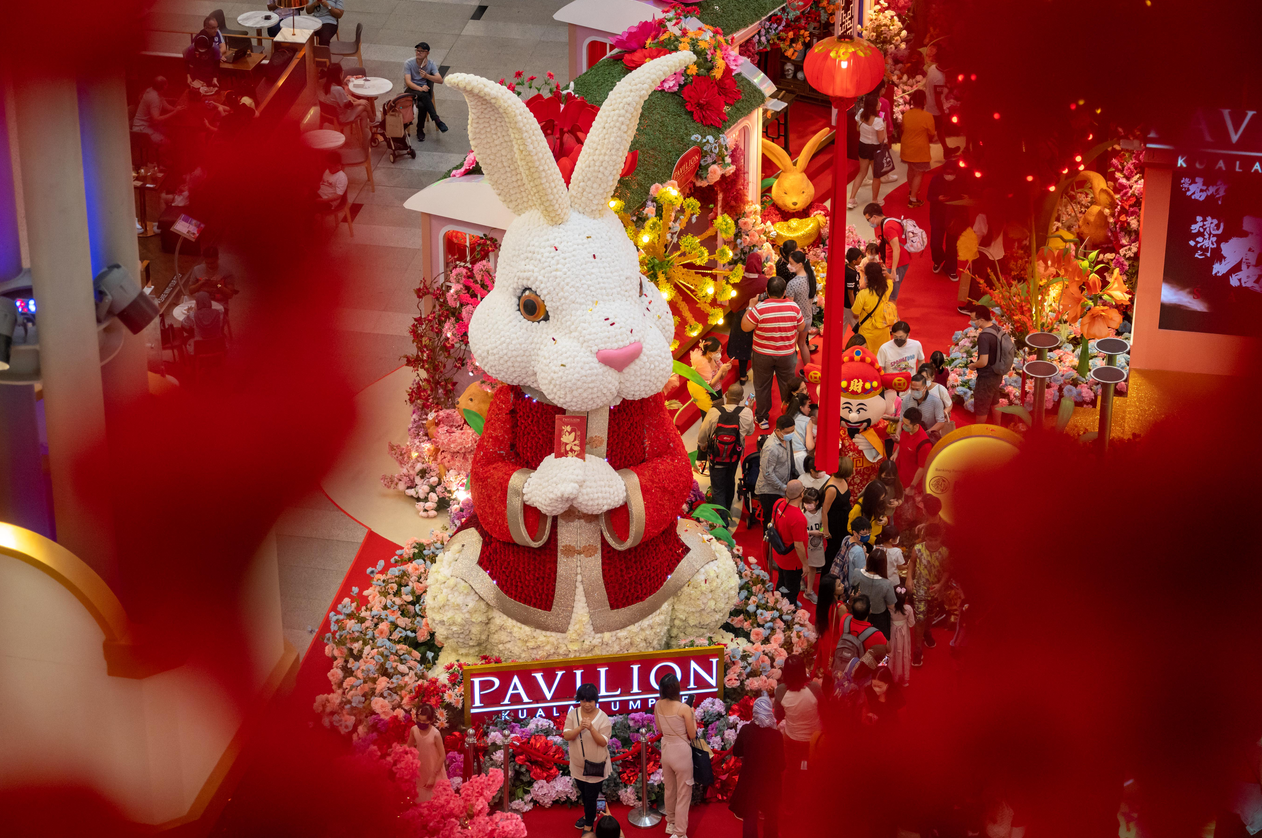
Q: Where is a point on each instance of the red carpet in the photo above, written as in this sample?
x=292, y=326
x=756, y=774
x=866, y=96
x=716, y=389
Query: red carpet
x=312, y=677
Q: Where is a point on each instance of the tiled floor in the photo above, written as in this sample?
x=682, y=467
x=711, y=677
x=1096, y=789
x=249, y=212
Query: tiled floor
x=316, y=542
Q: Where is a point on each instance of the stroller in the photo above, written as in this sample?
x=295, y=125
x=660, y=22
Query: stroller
x=397, y=115
x=745, y=489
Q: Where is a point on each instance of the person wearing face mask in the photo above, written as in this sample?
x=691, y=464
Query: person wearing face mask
x=930, y=413
x=946, y=221
x=431, y=755
x=900, y=353
x=775, y=467
x=873, y=310
x=912, y=453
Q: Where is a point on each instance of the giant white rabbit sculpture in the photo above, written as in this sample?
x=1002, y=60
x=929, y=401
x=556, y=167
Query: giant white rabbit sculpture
x=573, y=556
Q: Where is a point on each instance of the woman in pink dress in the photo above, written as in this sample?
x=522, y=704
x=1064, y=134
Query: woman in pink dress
x=678, y=728
x=431, y=755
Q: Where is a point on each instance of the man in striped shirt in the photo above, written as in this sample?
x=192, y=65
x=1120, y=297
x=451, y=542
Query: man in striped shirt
x=779, y=339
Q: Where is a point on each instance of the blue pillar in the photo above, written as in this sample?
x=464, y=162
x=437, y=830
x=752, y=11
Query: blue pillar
x=10, y=245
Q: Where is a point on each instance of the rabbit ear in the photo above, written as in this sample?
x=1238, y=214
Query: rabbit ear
x=600, y=161
x=808, y=151
x=511, y=149
x=778, y=156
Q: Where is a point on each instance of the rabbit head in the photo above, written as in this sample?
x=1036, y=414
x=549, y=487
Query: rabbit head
x=793, y=190
x=570, y=314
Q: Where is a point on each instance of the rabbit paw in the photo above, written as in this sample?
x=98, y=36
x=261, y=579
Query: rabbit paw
x=603, y=489
x=554, y=486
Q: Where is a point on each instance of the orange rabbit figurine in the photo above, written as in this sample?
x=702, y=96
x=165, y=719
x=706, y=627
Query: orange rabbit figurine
x=795, y=214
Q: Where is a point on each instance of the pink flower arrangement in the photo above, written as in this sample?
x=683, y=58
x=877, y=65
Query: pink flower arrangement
x=465, y=813
x=469, y=162
x=637, y=35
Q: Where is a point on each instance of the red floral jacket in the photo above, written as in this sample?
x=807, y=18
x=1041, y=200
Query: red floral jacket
x=641, y=438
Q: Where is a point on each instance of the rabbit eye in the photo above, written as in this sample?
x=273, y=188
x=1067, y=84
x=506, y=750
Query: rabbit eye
x=531, y=306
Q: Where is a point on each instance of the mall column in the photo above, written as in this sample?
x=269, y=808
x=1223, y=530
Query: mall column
x=61, y=267
x=23, y=500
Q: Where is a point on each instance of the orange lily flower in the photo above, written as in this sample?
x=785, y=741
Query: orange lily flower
x=1071, y=299
x=1099, y=322
x=1093, y=285
x=1116, y=289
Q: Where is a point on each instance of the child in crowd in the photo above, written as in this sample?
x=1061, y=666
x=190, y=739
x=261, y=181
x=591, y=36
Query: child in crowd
x=333, y=184
x=872, y=253
x=812, y=508
x=928, y=578
x=931, y=506
x=902, y=621
x=888, y=541
x=853, y=553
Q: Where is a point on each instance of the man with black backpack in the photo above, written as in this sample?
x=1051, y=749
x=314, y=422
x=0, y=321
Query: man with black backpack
x=721, y=442
x=860, y=647
x=995, y=354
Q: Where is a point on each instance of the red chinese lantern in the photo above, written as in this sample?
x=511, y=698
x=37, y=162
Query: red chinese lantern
x=844, y=70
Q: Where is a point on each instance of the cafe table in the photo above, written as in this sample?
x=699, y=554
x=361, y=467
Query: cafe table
x=258, y=21
x=286, y=35
x=185, y=308
x=369, y=87
x=324, y=139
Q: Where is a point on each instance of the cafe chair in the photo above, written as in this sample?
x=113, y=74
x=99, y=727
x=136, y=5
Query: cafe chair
x=208, y=358
x=143, y=151
x=230, y=42
x=339, y=50
x=174, y=339
x=343, y=211
x=359, y=155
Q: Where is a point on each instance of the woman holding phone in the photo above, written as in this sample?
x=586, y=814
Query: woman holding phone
x=587, y=729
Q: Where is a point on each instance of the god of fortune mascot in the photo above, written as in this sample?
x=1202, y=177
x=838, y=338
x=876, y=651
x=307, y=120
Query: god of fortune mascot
x=573, y=556
x=868, y=397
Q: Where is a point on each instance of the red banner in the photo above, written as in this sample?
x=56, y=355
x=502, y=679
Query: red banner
x=626, y=683
x=686, y=169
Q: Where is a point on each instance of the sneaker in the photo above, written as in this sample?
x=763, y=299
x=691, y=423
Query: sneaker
x=442, y=126
x=581, y=823
x=420, y=136
x=915, y=661
x=811, y=597
x=963, y=310
x=929, y=641
x=764, y=425
x=851, y=204
x=953, y=277
x=937, y=267
x=890, y=178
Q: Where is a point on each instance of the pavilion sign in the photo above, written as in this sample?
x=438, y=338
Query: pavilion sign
x=626, y=683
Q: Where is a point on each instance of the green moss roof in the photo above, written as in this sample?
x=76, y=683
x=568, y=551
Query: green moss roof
x=666, y=127
x=734, y=15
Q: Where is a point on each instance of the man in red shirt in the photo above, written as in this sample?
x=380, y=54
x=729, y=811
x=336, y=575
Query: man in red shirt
x=912, y=453
x=779, y=338
x=877, y=645
x=790, y=522
x=889, y=233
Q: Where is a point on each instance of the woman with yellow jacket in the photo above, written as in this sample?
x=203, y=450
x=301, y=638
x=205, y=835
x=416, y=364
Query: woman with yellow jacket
x=873, y=311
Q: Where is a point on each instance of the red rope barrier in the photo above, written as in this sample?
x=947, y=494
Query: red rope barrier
x=539, y=756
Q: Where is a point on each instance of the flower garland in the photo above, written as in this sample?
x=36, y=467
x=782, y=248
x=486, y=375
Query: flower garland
x=441, y=333
x=708, y=85
x=1126, y=178
x=886, y=28
x=794, y=29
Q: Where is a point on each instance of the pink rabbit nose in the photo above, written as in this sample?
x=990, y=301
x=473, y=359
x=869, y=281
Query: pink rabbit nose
x=622, y=358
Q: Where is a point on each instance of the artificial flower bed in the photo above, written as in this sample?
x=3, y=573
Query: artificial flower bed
x=384, y=663
x=1065, y=384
